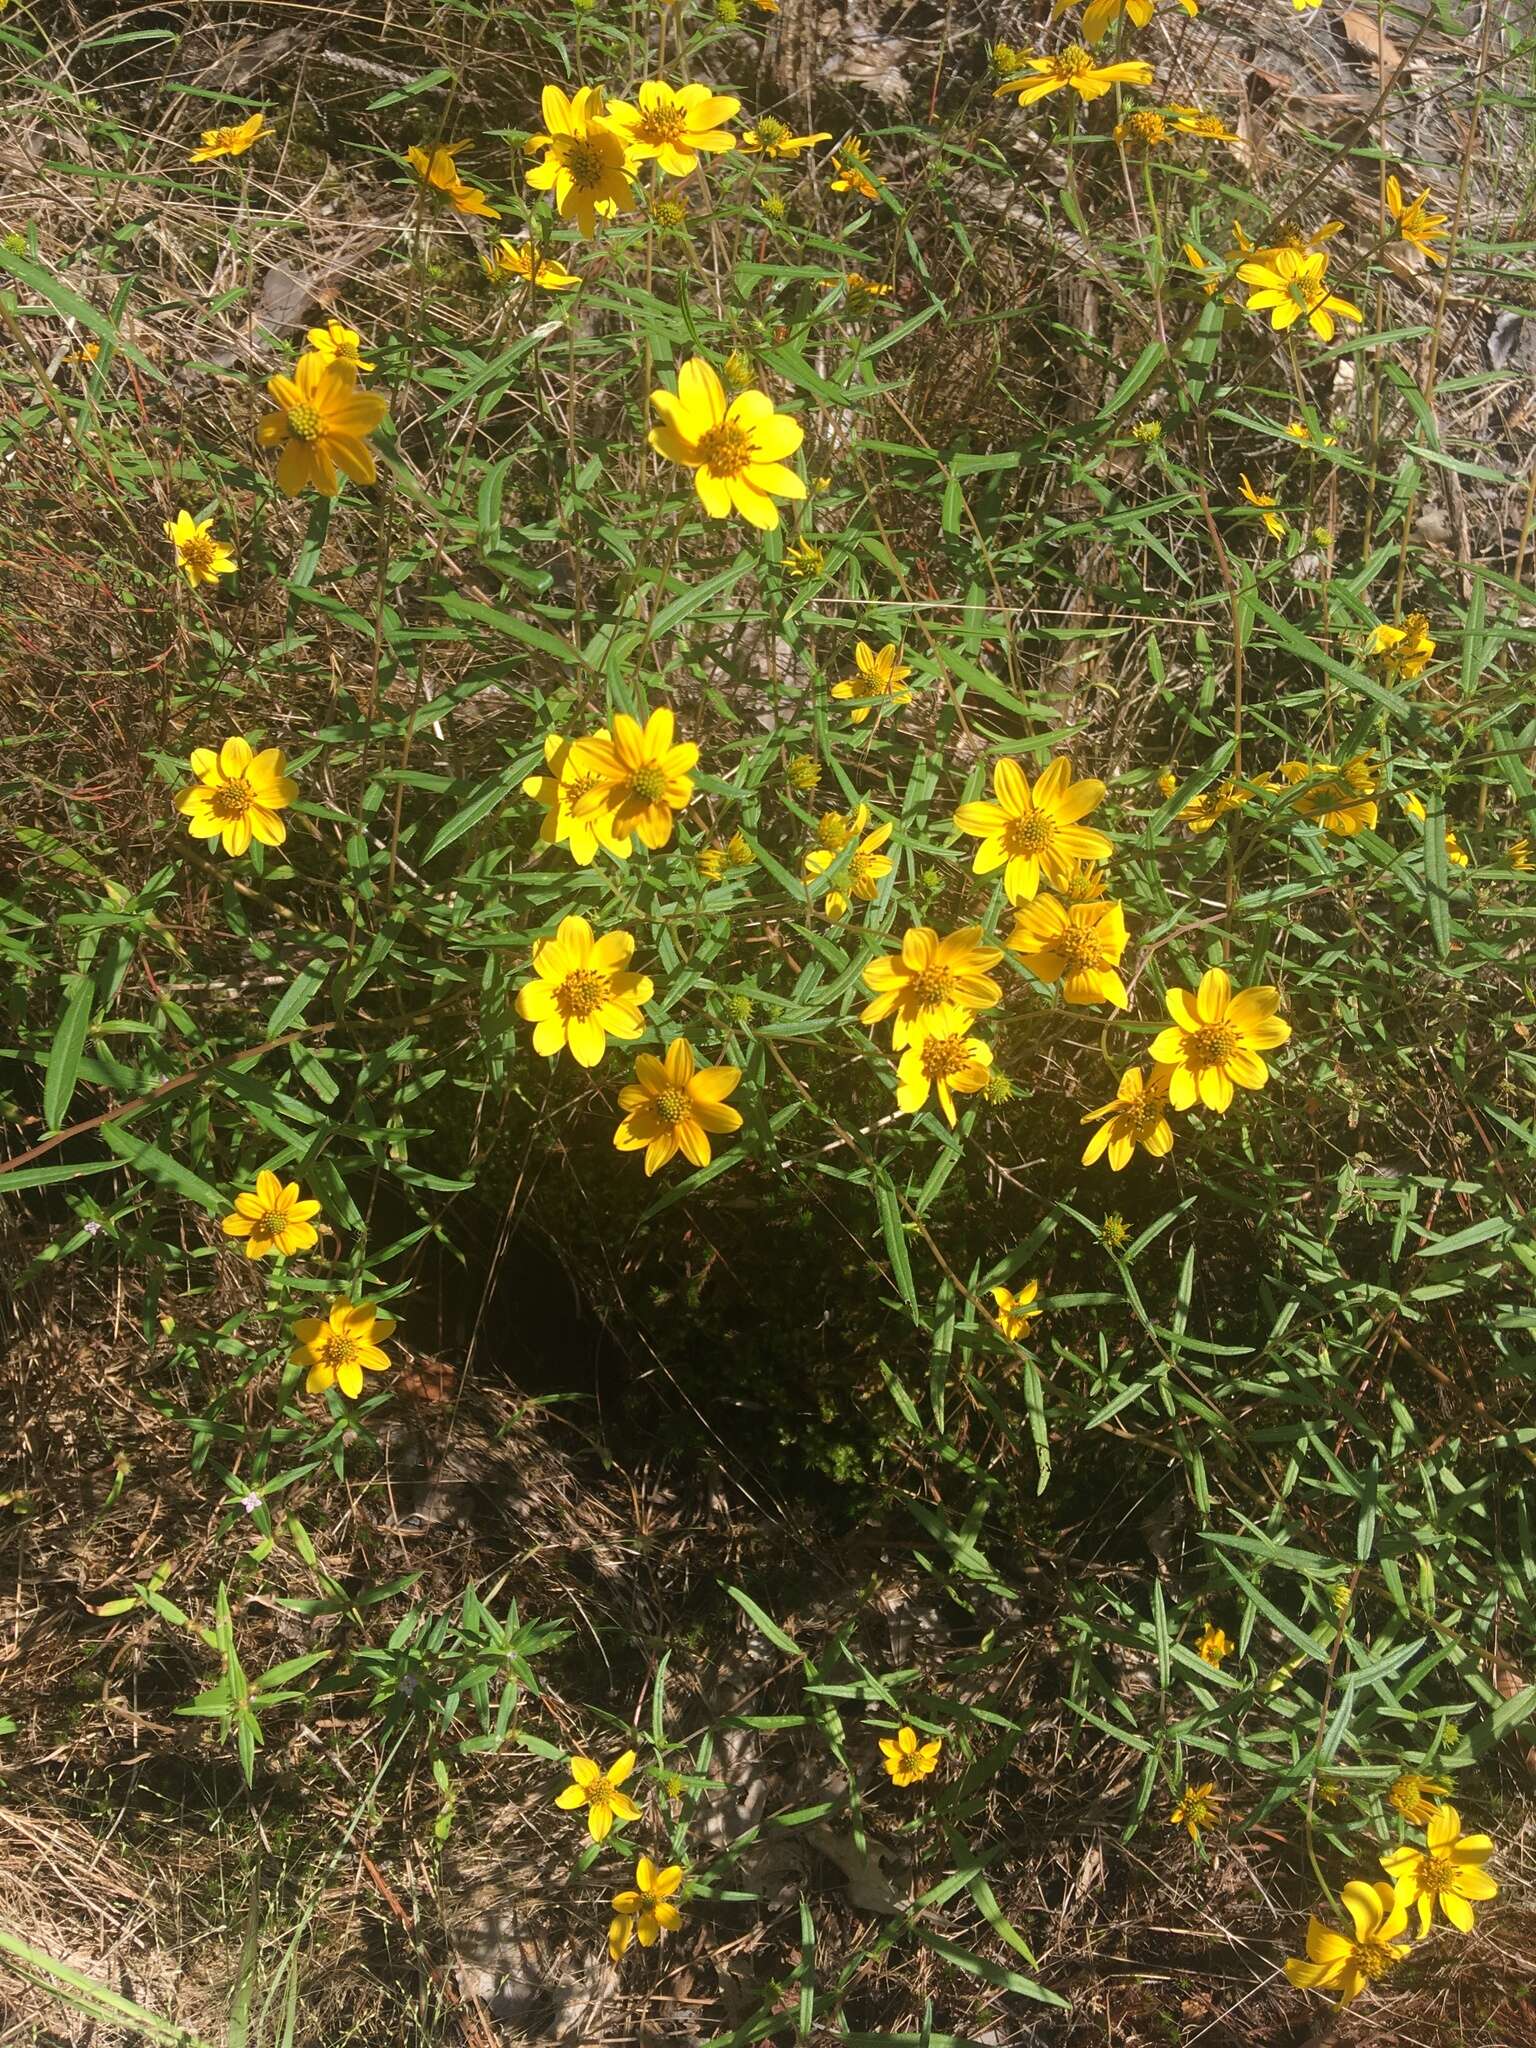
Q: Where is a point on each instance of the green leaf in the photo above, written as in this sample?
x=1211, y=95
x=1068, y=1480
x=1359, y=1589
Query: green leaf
x=63, y=1065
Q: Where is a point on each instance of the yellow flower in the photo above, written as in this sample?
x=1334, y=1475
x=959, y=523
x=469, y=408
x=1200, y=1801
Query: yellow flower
x=674, y=125
x=642, y=1914
x=772, y=139
x=803, y=558
x=342, y=1346
x=857, y=288
x=237, y=796
x=849, y=163
x=863, y=871
x=586, y=159
x=336, y=343
x=1029, y=833
x=710, y=862
x=738, y=851
x=1078, y=944
x=514, y=260
x=1138, y=1115
x=1114, y=1232
x=674, y=1105
x=1209, y=127
x=1199, y=1808
x=321, y=424
x=1300, y=431
x=950, y=1065
x=1072, y=68
x=640, y=777
x=879, y=676
x=558, y=789
x=1014, y=1313
x=203, y=558
x=1420, y=228
x=584, y=993
x=1410, y=1794
x=1212, y=1645
x=439, y=173
x=1303, y=6
x=1262, y=501
x=1084, y=882
x=1204, y=810
x=735, y=448
x=598, y=1791
x=1144, y=129
x=235, y=141
x=1215, y=1040
x=1346, y=1963
x=1522, y=857
x=1402, y=652
x=1447, y=1871
x=1455, y=852
x=1167, y=784
x=932, y=985
x=907, y=1760
x=1099, y=16
x=1341, y=800
x=803, y=772
x=1287, y=285
x=273, y=1219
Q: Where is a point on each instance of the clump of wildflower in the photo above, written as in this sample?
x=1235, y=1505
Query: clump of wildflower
x=864, y=869
x=647, y=1911
x=584, y=992
x=880, y=677
x=1212, y=1645
x=1346, y=1963
x=234, y=141
x=271, y=1217
x=674, y=1105
x=1216, y=1040
x=238, y=796
x=803, y=772
x=1200, y=1807
x=598, y=1791
x=1413, y=1796
x=908, y=1759
x=198, y=555
x=1447, y=1872
x=340, y=1347
x=735, y=448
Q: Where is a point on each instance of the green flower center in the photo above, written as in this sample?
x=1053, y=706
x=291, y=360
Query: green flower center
x=725, y=450
x=581, y=992
x=943, y=1057
x=232, y=799
x=304, y=423
x=586, y=163
x=272, y=1224
x=1031, y=834
x=673, y=1106
x=1073, y=61
x=770, y=133
x=1213, y=1045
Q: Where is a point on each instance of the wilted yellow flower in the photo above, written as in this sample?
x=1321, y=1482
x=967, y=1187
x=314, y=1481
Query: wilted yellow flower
x=272, y=1218
x=1215, y=1040
x=1114, y=1232
x=737, y=371
x=1079, y=945
x=1212, y=1645
x=234, y=141
x=1447, y=1872
x=238, y=796
x=1341, y=800
x=598, y=1791
x=947, y=1066
x=639, y=775
x=645, y=1912
x=880, y=676
x=1014, y=1312
x=674, y=125
x=738, y=851
x=1200, y=1807
x=803, y=772
x=1413, y=1796
x=522, y=260
x=1346, y=1963
x=1072, y=69
x=1289, y=286
x=335, y=342
x=773, y=139
x=1138, y=1115
x=203, y=558
x=584, y=992
x=340, y=1347
x=863, y=871
x=1455, y=852
x=586, y=159
x=932, y=985
x=1211, y=805
x=1418, y=227
x=849, y=162
x=803, y=558
x=859, y=288
x=907, y=1759
x=710, y=862
x=1147, y=432
x=734, y=447
x=322, y=424
x=1209, y=127
x=674, y=1105
x=1167, y=784
x=1402, y=652
x=438, y=172
x=1262, y=502
x=558, y=789
x=1033, y=832
x=1522, y=856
